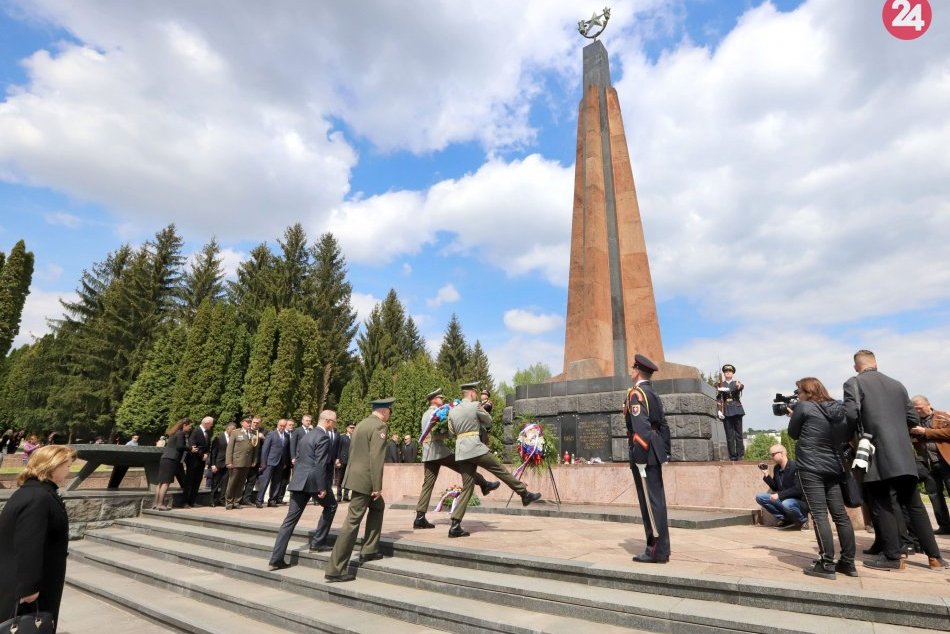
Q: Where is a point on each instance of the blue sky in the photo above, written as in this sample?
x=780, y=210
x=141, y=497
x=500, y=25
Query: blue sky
x=441, y=151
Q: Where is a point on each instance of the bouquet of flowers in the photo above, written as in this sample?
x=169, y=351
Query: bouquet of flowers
x=453, y=493
x=439, y=423
x=536, y=446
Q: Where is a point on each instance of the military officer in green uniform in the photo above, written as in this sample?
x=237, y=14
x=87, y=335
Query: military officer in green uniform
x=364, y=479
x=435, y=455
x=466, y=420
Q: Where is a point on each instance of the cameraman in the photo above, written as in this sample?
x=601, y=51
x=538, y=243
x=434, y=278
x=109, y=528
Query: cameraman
x=785, y=500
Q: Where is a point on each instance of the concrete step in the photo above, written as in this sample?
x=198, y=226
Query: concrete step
x=872, y=607
x=356, y=602
x=678, y=517
x=85, y=613
x=160, y=605
x=561, y=598
x=216, y=603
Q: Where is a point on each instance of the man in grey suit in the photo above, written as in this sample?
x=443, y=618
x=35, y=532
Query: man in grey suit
x=315, y=457
x=880, y=406
x=466, y=421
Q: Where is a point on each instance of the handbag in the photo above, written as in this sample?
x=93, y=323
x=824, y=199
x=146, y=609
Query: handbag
x=35, y=623
x=851, y=491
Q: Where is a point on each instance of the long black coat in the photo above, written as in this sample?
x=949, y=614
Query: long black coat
x=887, y=413
x=34, y=531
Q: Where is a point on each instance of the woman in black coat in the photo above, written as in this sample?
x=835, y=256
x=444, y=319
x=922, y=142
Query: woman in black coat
x=170, y=464
x=818, y=424
x=34, y=530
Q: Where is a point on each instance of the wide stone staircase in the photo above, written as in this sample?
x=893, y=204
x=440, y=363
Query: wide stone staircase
x=205, y=574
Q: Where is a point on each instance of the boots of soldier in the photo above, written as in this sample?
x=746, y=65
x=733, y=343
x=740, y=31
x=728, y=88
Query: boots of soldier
x=457, y=530
x=422, y=522
x=487, y=487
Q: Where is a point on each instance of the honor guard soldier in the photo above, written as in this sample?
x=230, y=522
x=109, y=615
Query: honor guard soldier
x=364, y=479
x=465, y=422
x=435, y=455
x=649, y=438
x=731, y=411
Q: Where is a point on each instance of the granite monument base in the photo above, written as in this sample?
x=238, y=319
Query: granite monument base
x=586, y=417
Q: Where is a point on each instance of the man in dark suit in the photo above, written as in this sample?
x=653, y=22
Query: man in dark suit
x=880, y=406
x=297, y=436
x=312, y=478
x=393, y=452
x=257, y=445
x=342, y=494
x=410, y=449
x=196, y=457
x=275, y=458
x=649, y=440
x=219, y=466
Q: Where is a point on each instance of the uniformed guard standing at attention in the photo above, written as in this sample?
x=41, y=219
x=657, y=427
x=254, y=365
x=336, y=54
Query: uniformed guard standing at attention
x=466, y=420
x=731, y=411
x=364, y=479
x=435, y=455
x=649, y=438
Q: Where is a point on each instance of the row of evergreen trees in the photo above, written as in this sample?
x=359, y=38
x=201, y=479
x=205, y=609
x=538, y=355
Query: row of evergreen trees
x=151, y=338
x=16, y=273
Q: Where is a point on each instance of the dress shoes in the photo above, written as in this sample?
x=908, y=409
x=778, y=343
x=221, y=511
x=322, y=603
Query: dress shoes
x=457, y=531
x=271, y=505
x=646, y=558
x=347, y=576
x=488, y=487
x=259, y=505
x=370, y=557
x=279, y=565
x=883, y=563
x=937, y=563
x=943, y=530
x=319, y=548
x=422, y=522
x=529, y=497
x=846, y=569
x=873, y=550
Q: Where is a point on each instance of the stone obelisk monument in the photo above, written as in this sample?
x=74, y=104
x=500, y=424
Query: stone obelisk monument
x=611, y=309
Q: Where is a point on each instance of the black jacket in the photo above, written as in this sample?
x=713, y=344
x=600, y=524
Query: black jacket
x=821, y=432
x=393, y=454
x=646, y=424
x=344, y=449
x=887, y=413
x=175, y=446
x=219, y=451
x=785, y=482
x=200, y=439
x=34, y=531
x=410, y=452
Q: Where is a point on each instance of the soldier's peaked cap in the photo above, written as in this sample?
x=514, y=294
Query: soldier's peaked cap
x=640, y=361
x=469, y=386
x=728, y=368
x=436, y=392
x=383, y=402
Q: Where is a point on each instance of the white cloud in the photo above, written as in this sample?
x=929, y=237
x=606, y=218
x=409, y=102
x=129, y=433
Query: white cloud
x=363, y=303
x=448, y=294
x=520, y=320
x=519, y=352
x=63, y=219
x=230, y=261
x=40, y=306
x=406, y=268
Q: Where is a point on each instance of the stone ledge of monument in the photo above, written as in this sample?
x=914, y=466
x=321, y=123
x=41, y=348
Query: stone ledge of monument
x=915, y=611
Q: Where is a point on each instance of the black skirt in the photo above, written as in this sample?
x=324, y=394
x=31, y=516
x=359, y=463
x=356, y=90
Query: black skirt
x=167, y=469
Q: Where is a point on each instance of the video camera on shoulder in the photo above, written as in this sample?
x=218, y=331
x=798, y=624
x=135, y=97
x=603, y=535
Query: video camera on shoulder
x=781, y=403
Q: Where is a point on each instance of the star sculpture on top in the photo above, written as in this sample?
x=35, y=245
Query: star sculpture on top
x=587, y=27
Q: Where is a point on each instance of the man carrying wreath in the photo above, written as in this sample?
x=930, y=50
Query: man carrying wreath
x=465, y=421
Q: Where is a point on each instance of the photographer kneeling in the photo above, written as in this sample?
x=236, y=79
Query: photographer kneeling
x=818, y=424
x=784, y=499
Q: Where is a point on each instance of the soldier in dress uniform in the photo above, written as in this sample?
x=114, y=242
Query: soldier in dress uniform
x=436, y=455
x=731, y=411
x=649, y=438
x=466, y=420
x=238, y=458
x=364, y=479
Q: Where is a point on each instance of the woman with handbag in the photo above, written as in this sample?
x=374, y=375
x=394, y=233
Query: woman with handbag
x=35, y=530
x=170, y=464
x=818, y=424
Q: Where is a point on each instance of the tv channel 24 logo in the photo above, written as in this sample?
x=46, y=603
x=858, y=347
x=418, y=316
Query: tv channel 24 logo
x=907, y=19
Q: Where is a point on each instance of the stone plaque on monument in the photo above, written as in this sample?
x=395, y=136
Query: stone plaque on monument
x=593, y=437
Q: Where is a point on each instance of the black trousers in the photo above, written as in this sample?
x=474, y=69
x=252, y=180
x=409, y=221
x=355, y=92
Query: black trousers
x=251, y=480
x=319, y=536
x=219, y=484
x=733, y=426
x=823, y=496
x=936, y=479
x=657, y=547
x=905, y=488
x=298, y=503
x=193, y=474
x=340, y=491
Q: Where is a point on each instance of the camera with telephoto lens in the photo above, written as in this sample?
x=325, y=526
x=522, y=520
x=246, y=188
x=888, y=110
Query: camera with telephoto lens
x=862, y=457
x=781, y=403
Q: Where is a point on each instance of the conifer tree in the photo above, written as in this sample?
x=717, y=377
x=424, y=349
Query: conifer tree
x=413, y=344
x=187, y=386
x=263, y=352
x=255, y=288
x=92, y=285
x=204, y=280
x=146, y=406
x=478, y=369
x=313, y=383
x=15, y=278
x=352, y=407
x=293, y=269
x=414, y=379
x=231, y=410
x=286, y=367
x=215, y=356
x=381, y=385
x=27, y=385
x=454, y=355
